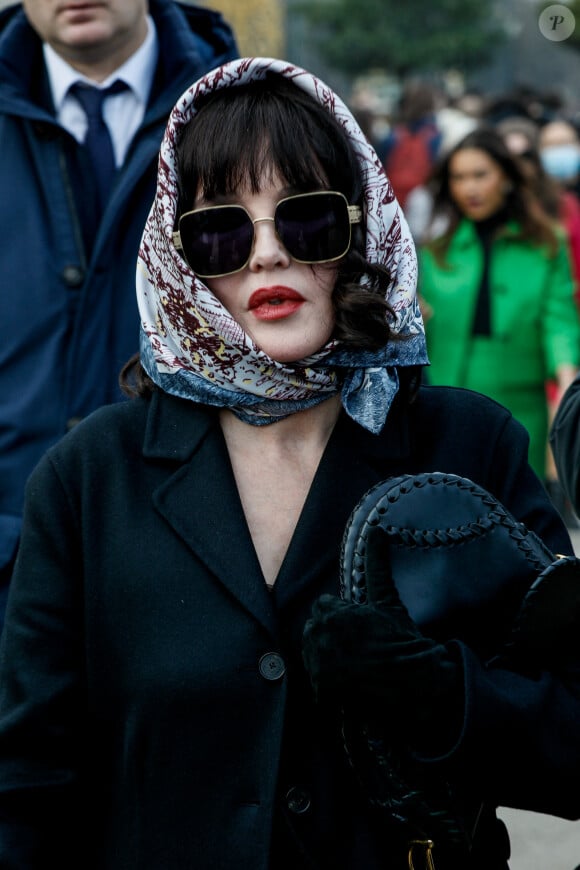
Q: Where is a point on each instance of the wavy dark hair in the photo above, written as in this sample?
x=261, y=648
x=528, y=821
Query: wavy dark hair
x=242, y=134
x=521, y=205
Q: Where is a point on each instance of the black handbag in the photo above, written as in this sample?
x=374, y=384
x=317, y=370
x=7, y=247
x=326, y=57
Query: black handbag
x=465, y=569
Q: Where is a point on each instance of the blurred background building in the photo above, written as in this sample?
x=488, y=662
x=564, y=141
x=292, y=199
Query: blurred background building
x=483, y=55
x=260, y=25
x=494, y=47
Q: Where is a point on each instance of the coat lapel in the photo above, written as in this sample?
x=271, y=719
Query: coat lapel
x=353, y=461
x=201, y=503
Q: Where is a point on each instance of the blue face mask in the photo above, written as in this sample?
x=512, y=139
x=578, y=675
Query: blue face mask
x=561, y=161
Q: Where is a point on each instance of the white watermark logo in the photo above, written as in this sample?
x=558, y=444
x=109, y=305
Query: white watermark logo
x=557, y=22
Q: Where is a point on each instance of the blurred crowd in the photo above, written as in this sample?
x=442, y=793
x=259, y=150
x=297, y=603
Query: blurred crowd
x=490, y=188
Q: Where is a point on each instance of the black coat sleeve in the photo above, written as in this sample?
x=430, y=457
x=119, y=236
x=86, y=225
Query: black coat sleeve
x=565, y=442
x=39, y=744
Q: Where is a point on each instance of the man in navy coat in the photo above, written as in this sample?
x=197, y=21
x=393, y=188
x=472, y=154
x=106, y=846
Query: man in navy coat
x=67, y=277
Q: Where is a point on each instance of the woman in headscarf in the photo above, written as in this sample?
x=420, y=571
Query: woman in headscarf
x=159, y=707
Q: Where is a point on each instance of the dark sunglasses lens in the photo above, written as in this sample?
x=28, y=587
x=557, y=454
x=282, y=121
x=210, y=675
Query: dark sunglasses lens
x=314, y=227
x=216, y=240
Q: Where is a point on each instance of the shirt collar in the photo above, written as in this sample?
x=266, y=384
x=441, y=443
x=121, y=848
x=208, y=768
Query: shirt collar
x=137, y=71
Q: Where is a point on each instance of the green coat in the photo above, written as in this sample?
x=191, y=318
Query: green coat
x=534, y=323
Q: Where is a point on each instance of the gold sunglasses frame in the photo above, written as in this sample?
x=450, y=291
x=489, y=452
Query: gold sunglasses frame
x=354, y=217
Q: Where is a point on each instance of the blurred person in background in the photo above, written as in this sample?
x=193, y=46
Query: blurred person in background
x=499, y=286
x=559, y=146
x=522, y=137
x=410, y=148
x=78, y=83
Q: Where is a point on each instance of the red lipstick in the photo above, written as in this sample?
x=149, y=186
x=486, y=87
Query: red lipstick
x=274, y=303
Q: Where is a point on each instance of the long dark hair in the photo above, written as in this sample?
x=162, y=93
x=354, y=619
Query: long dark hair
x=521, y=205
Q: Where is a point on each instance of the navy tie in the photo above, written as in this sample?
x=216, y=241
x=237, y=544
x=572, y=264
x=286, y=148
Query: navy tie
x=98, y=139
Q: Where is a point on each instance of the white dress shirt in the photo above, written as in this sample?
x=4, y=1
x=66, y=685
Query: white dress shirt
x=122, y=113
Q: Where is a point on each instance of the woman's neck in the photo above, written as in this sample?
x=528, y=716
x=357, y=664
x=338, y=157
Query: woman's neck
x=312, y=426
x=274, y=467
x=490, y=225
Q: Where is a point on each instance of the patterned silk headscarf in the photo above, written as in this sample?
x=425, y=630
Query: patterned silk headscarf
x=192, y=347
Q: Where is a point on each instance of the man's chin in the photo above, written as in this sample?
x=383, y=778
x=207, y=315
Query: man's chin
x=87, y=30
x=83, y=44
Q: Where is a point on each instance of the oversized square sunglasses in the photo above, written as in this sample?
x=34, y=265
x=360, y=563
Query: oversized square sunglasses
x=313, y=227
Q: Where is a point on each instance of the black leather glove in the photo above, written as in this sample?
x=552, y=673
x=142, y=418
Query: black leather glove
x=375, y=658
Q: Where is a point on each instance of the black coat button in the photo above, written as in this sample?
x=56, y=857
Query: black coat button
x=272, y=666
x=298, y=799
x=73, y=276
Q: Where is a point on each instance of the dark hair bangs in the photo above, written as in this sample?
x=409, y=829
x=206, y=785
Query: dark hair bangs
x=242, y=134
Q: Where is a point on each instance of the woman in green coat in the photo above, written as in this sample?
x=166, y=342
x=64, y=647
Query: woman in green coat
x=498, y=288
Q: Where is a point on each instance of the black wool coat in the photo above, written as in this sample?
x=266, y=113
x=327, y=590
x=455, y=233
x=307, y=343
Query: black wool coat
x=565, y=442
x=154, y=710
